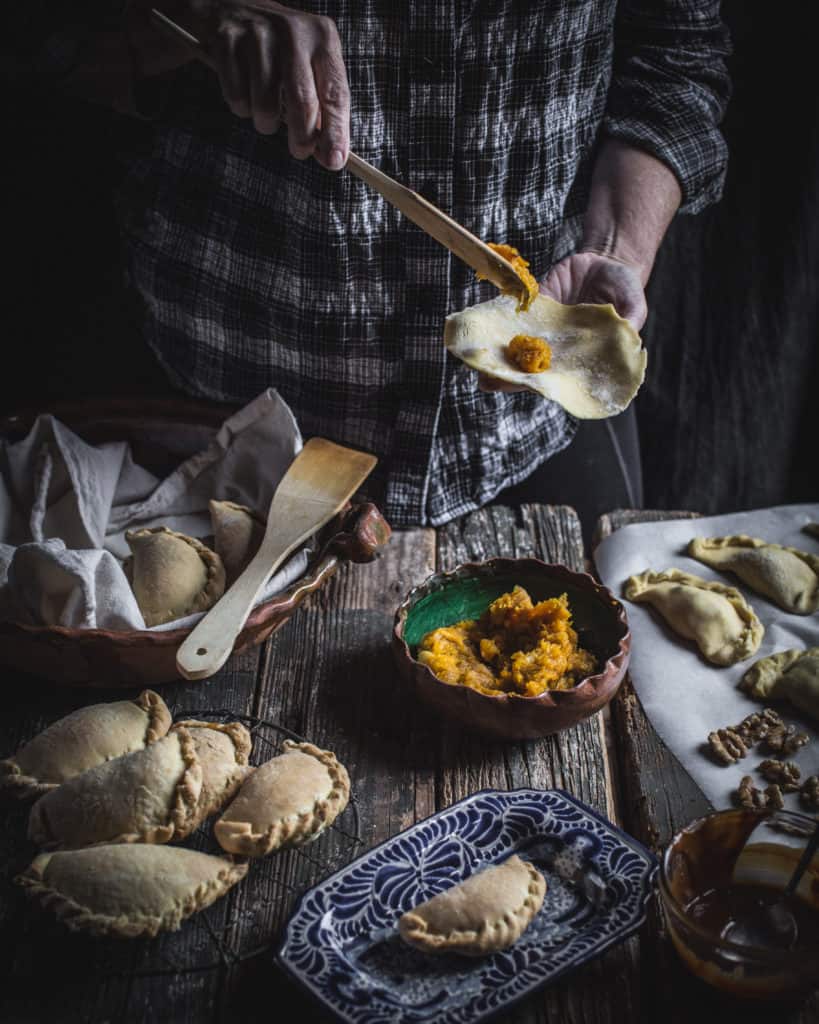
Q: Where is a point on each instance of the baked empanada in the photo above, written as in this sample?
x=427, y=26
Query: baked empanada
x=487, y=912
x=716, y=617
x=789, y=675
x=811, y=528
x=597, y=361
x=172, y=575
x=237, y=534
x=155, y=795
x=128, y=891
x=82, y=740
x=787, y=576
x=287, y=801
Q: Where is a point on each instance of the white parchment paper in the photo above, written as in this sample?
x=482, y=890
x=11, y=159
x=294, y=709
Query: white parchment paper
x=684, y=696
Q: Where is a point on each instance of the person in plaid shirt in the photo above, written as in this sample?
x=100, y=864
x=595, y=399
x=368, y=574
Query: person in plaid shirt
x=573, y=131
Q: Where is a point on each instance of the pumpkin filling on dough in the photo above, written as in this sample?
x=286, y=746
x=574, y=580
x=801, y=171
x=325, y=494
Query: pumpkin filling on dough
x=529, y=353
x=514, y=647
x=522, y=267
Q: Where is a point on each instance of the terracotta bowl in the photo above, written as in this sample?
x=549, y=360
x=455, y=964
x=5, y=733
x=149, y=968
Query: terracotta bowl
x=446, y=598
x=163, y=433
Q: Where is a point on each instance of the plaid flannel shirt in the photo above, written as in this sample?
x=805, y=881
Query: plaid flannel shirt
x=255, y=269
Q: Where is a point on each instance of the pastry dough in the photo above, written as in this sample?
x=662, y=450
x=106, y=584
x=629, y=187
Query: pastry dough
x=812, y=529
x=82, y=740
x=237, y=534
x=597, y=360
x=789, y=675
x=716, y=617
x=172, y=575
x=287, y=801
x=787, y=576
x=128, y=891
x=487, y=912
x=155, y=795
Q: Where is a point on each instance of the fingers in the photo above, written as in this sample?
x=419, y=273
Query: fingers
x=265, y=97
x=333, y=144
x=301, y=103
x=229, y=60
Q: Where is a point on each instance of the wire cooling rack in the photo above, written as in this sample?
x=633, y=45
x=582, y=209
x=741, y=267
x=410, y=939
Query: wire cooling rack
x=243, y=924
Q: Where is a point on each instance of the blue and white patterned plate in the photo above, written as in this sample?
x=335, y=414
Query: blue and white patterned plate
x=342, y=942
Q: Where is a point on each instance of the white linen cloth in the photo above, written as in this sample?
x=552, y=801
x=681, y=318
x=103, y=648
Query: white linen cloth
x=684, y=696
x=65, y=506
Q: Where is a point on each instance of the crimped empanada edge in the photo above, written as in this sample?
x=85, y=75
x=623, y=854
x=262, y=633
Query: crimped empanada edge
x=159, y=716
x=771, y=668
x=79, y=918
x=238, y=836
x=492, y=936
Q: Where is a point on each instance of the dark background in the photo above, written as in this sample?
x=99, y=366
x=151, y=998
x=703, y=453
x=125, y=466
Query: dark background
x=728, y=412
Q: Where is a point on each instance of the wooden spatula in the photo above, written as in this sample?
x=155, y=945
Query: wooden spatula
x=319, y=481
x=466, y=246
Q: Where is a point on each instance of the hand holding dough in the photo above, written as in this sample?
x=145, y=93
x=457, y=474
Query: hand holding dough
x=597, y=360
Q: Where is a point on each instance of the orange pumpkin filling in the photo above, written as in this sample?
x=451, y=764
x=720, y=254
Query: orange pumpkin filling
x=521, y=265
x=530, y=354
x=514, y=647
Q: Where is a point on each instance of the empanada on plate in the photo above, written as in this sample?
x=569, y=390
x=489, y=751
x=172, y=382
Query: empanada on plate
x=287, y=801
x=155, y=795
x=82, y=740
x=597, y=359
x=787, y=576
x=237, y=534
x=716, y=617
x=486, y=913
x=128, y=891
x=172, y=575
x=789, y=675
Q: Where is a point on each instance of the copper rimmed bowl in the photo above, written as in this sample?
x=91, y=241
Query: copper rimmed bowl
x=464, y=593
x=162, y=433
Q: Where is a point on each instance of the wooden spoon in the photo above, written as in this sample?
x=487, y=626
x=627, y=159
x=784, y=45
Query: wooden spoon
x=319, y=481
x=420, y=211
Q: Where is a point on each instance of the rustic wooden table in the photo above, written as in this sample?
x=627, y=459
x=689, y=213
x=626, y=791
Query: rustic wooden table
x=328, y=675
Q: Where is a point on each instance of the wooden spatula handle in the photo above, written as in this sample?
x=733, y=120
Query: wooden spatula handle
x=210, y=643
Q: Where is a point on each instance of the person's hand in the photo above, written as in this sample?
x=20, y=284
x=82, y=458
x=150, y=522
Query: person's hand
x=588, y=277
x=278, y=64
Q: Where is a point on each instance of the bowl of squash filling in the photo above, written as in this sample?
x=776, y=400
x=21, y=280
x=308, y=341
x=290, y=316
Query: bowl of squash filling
x=512, y=647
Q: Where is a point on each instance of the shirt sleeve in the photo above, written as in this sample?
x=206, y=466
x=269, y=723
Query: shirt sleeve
x=670, y=88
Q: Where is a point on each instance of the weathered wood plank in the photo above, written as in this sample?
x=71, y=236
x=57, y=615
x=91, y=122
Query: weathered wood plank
x=575, y=760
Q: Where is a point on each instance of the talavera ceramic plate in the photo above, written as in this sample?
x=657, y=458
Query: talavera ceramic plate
x=342, y=942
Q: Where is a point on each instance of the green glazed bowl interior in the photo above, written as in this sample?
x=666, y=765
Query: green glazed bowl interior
x=467, y=597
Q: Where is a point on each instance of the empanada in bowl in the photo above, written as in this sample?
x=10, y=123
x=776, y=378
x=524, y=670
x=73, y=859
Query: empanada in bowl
x=488, y=912
x=84, y=739
x=128, y=891
x=237, y=534
x=787, y=576
x=172, y=575
x=716, y=617
x=287, y=801
x=156, y=795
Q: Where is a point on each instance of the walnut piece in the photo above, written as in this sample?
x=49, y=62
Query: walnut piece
x=784, y=773
x=809, y=793
x=756, y=726
x=727, y=745
x=785, y=740
x=753, y=799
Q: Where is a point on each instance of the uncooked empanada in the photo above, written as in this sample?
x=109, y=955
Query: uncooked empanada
x=155, y=795
x=812, y=529
x=128, y=891
x=716, y=617
x=237, y=534
x=597, y=359
x=487, y=912
x=789, y=675
x=172, y=575
x=287, y=801
x=82, y=740
x=787, y=576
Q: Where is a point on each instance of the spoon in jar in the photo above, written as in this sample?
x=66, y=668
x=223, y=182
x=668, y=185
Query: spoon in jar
x=772, y=925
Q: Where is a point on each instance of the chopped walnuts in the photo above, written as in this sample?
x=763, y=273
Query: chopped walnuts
x=784, y=773
x=785, y=740
x=727, y=745
x=756, y=726
x=753, y=799
x=809, y=793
